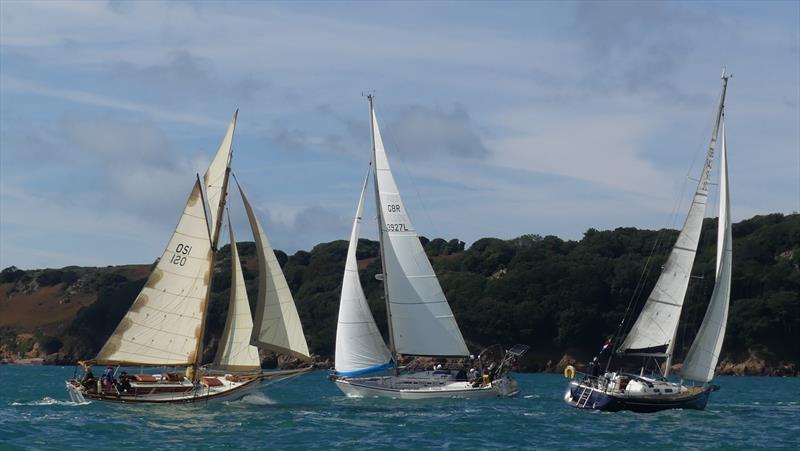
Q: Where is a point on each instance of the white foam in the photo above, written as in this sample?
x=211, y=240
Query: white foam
x=48, y=401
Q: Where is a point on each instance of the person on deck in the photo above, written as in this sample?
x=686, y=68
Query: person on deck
x=123, y=384
x=88, y=379
x=107, y=379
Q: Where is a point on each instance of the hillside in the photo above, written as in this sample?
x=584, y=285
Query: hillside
x=564, y=298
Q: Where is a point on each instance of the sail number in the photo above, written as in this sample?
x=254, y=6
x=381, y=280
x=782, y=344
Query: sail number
x=181, y=251
x=393, y=208
x=396, y=227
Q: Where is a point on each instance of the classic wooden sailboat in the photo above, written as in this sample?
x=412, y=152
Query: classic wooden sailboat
x=420, y=320
x=653, y=334
x=165, y=325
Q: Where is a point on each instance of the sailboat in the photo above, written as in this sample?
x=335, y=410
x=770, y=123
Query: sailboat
x=653, y=334
x=165, y=325
x=419, y=317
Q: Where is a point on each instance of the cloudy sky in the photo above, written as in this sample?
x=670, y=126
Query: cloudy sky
x=500, y=119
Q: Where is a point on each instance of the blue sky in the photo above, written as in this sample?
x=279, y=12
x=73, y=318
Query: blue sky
x=500, y=118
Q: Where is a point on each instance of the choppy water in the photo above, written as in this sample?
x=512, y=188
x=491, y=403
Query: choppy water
x=310, y=413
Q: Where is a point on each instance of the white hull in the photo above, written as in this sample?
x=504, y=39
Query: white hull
x=424, y=386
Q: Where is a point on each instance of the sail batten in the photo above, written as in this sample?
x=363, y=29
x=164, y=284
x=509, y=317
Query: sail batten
x=235, y=353
x=277, y=324
x=359, y=346
x=703, y=355
x=420, y=317
x=163, y=326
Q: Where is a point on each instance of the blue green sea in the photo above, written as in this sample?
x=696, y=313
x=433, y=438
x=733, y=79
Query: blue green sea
x=308, y=412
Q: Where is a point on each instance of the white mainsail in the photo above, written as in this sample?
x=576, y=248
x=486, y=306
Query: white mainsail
x=359, y=346
x=277, y=325
x=702, y=359
x=422, y=323
x=216, y=178
x=658, y=321
x=235, y=353
x=165, y=322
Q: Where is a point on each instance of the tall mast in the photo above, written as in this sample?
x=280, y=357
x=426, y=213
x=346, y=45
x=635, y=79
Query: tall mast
x=709, y=157
x=381, y=237
x=198, y=359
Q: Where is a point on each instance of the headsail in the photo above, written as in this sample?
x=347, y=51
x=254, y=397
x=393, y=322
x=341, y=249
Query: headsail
x=277, y=325
x=702, y=359
x=421, y=320
x=235, y=353
x=654, y=330
x=359, y=346
x=216, y=178
x=164, y=324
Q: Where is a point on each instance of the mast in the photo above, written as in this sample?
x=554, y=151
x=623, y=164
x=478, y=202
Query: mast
x=198, y=360
x=381, y=237
x=711, y=147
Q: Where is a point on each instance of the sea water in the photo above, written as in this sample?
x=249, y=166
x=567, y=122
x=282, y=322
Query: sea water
x=309, y=412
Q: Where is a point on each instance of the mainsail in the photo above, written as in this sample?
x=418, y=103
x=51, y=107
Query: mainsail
x=277, y=325
x=422, y=323
x=164, y=324
x=702, y=359
x=216, y=178
x=359, y=346
x=653, y=333
x=235, y=353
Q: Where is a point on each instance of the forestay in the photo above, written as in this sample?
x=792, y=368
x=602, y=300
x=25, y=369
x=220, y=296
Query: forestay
x=163, y=326
x=359, y=346
x=422, y=322
x=235, y=353
x=702, y=359
x=277, y=325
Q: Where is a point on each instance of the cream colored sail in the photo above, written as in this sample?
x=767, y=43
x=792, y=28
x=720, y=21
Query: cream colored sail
x=277, y=325
x=359, y=346
x=216, y=178
x=703, y=356
x=422, y=323
x=235, y=353
x=164, y=324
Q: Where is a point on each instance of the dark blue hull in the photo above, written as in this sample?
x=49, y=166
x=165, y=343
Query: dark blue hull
x=599, y=400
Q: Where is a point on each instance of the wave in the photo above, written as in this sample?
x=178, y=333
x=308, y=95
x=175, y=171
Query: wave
x=48, y=401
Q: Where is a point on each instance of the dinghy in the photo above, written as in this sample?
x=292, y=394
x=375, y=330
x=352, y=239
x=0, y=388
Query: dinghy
x=652, y=336
x=419, y=317
x=165, y=325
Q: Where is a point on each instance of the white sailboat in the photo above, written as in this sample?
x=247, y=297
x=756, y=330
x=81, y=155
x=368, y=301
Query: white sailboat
x=420, y=320
x=653, y=334
x=165, y=325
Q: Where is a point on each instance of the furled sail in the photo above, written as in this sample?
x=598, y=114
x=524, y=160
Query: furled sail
x=654, y=330
x=164, y=324
x=421, y=320
x=702, y=359
x=359, y=346
x=235, y=353
x=216, y=178
x=277, y=325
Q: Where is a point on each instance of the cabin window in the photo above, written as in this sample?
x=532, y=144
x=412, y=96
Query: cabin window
x=656, y=390
x=667, y=390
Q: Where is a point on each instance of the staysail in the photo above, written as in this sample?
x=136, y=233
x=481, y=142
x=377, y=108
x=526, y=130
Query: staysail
x=235, y=353
x=702, y=359
x=277, y=325
x=422, y=323
x=359, y=346
x=164, y=324
x=653, y=333
x=216, y=178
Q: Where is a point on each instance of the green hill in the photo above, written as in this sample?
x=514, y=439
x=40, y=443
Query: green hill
x=561, y=297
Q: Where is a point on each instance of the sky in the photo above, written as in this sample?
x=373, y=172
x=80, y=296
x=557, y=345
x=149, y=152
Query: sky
x=500, y=118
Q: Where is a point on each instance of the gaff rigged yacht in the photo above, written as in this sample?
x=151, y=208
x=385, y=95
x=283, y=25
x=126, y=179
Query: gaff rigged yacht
x=420, y=320
x=164, y=327
x=652, y=336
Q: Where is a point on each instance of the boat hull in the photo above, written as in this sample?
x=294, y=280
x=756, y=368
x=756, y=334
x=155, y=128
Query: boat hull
x=614, y=402
x=401, y=387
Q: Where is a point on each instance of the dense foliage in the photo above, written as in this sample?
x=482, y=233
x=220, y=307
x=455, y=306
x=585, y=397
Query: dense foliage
x=557, y=296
